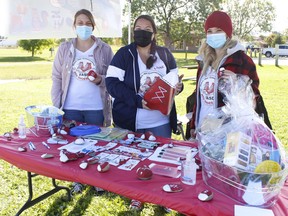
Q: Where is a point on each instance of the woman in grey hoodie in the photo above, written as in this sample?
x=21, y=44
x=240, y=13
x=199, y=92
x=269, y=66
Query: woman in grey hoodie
x=81, y=98
x=78, y=77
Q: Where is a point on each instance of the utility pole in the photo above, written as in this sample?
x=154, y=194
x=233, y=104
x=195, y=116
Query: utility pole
x=129, y=21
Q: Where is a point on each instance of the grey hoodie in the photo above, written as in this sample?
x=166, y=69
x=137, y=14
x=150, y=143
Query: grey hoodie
x=61, y=73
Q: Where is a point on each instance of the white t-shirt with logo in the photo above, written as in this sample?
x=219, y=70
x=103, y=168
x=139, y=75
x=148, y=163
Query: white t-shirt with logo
x=207, y=94
x=150, y=118
x=82, y=93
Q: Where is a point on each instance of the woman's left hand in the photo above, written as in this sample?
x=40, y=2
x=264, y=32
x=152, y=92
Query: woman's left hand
x=179, y=85
x=97, y=79
x=226, y=74
x=144, y=105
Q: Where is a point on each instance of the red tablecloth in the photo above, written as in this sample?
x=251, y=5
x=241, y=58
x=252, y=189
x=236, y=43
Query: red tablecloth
x=125, y=182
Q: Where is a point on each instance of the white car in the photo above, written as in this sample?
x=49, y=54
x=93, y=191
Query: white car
x=271, y=52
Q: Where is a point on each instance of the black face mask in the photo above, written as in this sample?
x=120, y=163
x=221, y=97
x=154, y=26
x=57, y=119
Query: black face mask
x=142, y=38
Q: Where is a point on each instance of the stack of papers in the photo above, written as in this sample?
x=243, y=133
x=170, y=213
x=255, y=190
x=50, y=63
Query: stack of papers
x=108, y=134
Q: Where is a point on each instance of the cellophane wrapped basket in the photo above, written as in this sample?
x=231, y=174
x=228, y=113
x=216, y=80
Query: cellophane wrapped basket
x=241, y=156
x=44, y=119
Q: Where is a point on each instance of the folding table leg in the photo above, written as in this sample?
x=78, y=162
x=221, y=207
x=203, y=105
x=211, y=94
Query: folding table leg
x=30, y=202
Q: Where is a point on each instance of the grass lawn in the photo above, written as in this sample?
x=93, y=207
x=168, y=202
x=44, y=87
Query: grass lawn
x=35, y=89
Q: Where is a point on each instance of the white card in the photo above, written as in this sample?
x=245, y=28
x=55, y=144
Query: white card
x=129, y=165
x=247, y=210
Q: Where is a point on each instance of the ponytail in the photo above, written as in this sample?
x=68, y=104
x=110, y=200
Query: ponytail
x=152, y=58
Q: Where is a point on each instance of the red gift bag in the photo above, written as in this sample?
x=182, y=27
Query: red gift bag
x=160, y=95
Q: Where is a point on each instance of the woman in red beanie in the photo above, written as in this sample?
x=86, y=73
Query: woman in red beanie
x=217, y=51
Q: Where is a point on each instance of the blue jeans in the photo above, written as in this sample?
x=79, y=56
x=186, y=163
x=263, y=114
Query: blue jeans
x=94, y=117
x=163, y=130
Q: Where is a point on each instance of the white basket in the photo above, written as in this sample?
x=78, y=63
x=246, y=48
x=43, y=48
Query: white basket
x=245, y=187
x=44, y=118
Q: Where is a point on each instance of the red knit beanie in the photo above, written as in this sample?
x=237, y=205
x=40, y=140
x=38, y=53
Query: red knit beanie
x=220, y=20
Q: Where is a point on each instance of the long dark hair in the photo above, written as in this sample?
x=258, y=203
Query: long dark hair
x=152, y=58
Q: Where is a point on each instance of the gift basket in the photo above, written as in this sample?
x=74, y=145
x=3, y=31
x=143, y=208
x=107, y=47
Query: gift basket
x=44, y=119
x=241, y=157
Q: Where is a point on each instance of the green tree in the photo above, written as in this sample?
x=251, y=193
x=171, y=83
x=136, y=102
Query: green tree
x=176, y=20
x=250, y=15
x=125, y=35
x=279, y=39
x=285, y=33
x=275, y=38
x=36, y=46
x=270, y=39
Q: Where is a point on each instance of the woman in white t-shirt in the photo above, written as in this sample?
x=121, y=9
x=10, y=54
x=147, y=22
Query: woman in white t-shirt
x=132, y=71
x=82, y=99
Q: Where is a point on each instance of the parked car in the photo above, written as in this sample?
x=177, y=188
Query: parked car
x=271, y=52
x=252, y=48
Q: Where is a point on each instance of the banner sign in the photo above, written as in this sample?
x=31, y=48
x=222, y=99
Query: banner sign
x=34, y=19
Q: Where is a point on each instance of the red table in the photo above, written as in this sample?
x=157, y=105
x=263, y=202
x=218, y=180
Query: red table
x=122, y=182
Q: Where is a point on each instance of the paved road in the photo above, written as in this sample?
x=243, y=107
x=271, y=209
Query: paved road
x=5, y=64
x=9, y=81
x=271, y=61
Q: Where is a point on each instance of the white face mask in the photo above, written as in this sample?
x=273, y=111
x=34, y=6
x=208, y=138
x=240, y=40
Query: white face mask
x=216, y=40
x=84, y=32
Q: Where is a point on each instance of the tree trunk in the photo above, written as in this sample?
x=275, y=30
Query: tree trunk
x=168, y=42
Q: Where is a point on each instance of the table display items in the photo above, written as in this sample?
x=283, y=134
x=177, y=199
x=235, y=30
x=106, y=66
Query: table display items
x=103, y=167
x=82, y=130
x=144, y=173
x=44, y=120
x=172, y=188
x=205, y=195
x=160, y=95
x=171, y=153
x=189, y=169
x=108, y=134
x=241, y=157
x=21, y=128
x=165, y=170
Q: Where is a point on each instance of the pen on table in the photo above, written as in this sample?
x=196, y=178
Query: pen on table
x=177, y=149
x=31, y=146
x=168, y=158
x=169, y=151
x=46, y=145
x=169, y=155
x=33, y=132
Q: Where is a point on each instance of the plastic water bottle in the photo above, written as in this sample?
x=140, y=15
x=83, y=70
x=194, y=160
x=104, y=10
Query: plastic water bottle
x=189, y=170
x=22, y=128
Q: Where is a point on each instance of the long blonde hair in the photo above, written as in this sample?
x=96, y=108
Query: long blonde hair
x=209, y=55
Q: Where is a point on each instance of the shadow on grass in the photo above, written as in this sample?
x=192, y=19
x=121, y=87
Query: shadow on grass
x=21, y=59
x=279, y=67
x=57, y=207
x=61, y=203
x=157, y=209
x=83, y=203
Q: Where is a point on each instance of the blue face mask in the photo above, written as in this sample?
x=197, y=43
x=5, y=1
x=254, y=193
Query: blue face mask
x=84, y=32
x=216, y=40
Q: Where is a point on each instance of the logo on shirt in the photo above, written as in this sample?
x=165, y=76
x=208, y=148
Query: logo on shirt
x=207, y=90
x=147, y=79
x=81, y=68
